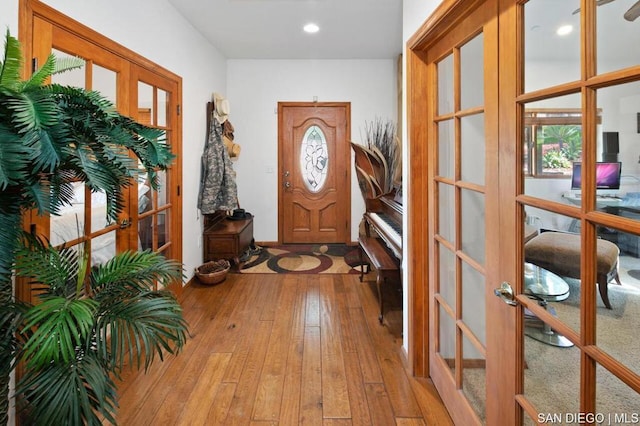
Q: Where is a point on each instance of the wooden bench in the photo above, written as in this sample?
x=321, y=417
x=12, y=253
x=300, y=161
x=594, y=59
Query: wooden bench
x=380, y=260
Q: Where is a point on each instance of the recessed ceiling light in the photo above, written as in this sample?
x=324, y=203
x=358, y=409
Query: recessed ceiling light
x=564, y=30
x=311, y=28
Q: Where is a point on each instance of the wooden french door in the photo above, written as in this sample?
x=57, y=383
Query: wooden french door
x=139, y=89
x=463, y=199
x=314, y=197
x=155, y=102
x=547, y=350
x=575, y=95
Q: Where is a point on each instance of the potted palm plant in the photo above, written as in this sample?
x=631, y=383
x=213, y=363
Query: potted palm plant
x=89, y=321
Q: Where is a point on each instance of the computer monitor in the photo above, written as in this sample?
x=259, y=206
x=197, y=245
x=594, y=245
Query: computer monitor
x=607, y=175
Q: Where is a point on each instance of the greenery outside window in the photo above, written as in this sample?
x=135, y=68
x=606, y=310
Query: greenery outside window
x=553, y=141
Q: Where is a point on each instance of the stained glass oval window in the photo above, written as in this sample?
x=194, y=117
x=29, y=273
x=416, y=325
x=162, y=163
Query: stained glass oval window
x=314, y=158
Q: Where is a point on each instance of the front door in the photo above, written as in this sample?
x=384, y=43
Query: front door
x=314, y=196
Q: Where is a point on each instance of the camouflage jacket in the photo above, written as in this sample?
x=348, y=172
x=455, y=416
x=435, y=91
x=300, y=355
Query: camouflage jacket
x=218, y=190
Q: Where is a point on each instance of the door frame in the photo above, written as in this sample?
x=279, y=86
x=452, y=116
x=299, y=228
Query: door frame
x=345, y=148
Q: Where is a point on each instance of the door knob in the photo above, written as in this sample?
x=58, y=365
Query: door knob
x=505, y=292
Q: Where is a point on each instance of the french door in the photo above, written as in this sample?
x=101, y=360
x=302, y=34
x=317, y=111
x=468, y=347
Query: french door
x=139, y=89
x=575, y=110
x=462, y=199
x=502, y=112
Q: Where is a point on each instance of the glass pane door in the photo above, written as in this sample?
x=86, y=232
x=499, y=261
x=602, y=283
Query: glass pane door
x=151, y=97
x=459, y=239
x=84, y=223
x=580, y=107
x=155, y=105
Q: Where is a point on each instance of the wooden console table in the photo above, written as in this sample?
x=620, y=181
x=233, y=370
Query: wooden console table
x=227, y=239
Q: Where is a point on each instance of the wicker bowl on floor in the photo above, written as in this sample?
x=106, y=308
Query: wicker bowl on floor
x=213, y=272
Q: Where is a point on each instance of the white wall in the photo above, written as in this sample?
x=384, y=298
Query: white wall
x=254, y=88
x=155, y=30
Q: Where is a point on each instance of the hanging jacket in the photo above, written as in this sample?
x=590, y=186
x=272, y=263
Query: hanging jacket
x=218, y=190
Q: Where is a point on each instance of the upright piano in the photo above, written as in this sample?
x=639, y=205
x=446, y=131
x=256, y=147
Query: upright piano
x=383, y=215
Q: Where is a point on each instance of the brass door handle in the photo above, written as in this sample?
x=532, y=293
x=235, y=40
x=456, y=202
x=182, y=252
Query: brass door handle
x=505, y=292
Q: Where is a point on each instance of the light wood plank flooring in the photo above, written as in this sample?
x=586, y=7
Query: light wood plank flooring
x=282, y=350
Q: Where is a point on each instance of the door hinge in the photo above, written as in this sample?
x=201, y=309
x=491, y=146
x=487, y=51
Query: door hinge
x=178, y=190
x=34, y=65
x=178, y=109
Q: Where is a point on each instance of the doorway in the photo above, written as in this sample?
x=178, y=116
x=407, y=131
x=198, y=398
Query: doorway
x=314, y=159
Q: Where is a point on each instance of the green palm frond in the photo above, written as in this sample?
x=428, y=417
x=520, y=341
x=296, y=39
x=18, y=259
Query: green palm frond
x=137, y=270
x=11, y=64
x=61, y=325
x=52, y=66
x=56, y=269
x=37, y=194
x=32, y=110
x=142, y=327
x=67, y=63
x=9, y=238
x=14, y=156
x=40, y=76
x=49, y=154
x=73, y=391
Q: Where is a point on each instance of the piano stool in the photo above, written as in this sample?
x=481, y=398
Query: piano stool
x=380, y=260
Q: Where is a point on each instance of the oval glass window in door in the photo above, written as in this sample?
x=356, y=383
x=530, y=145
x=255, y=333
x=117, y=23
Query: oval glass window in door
x=314, y=159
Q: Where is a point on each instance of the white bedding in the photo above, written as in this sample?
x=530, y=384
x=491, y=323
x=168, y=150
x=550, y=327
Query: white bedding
x=69, y=225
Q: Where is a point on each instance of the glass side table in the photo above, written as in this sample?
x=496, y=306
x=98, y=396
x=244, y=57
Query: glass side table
x=550, y=288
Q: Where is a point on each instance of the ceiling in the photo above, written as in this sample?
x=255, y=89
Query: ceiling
x=272, y=29
x=616, y=37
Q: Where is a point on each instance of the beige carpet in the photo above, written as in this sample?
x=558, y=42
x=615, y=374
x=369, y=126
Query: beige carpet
x=552, y=376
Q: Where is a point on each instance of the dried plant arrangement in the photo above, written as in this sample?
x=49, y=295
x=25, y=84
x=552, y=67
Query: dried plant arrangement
x=381, y=138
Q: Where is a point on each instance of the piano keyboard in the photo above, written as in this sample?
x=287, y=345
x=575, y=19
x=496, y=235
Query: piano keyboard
x=389, y=228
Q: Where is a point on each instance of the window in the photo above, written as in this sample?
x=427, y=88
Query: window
x=553, y=141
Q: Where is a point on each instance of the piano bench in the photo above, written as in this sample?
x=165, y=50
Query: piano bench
x=380, y=260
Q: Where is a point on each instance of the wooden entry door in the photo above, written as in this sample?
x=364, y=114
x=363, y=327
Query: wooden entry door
x=314, y=197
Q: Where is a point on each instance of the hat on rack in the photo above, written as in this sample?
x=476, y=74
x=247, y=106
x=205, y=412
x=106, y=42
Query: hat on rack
x=239, y=214
x=232, y=148
x=227, y=129
x=221, y=108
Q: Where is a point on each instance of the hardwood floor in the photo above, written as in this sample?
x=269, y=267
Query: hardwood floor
x=282, y=350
